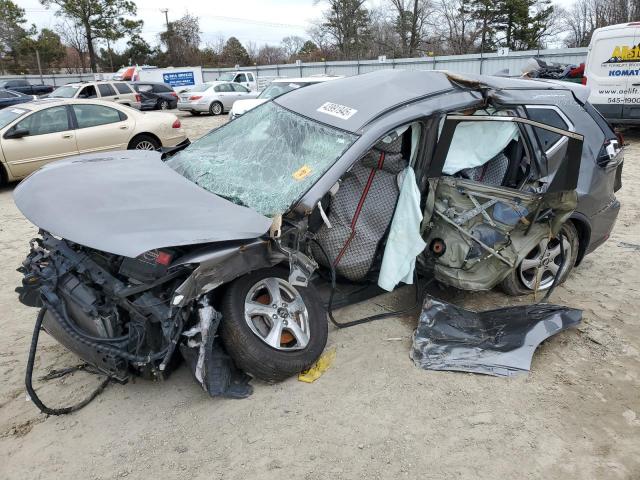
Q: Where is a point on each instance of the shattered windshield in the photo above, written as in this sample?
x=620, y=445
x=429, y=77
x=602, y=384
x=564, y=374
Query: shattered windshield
x=264, y=160
x=67, y=91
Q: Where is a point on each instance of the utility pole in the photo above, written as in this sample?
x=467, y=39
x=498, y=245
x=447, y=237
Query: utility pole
x=169, y=36
x=110, y=54
x=39, y=67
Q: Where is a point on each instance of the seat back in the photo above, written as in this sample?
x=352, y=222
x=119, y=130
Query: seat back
x=361, y=211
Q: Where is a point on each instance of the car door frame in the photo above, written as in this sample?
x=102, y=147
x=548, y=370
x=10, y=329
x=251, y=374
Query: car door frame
x=550, y=208
x=130, y=128
x=47, y=158
x=226, y=98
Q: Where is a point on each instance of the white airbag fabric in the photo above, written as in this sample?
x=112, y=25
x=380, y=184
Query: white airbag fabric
x=404, y=242
x=475, y=143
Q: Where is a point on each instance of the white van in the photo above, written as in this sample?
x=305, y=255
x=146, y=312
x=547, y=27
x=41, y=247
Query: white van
x=612, y=72
x=247, y=79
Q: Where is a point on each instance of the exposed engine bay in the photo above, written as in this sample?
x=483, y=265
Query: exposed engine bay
x=117, y=313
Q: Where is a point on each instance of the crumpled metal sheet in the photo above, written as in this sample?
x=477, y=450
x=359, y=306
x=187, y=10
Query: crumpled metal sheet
x=497, y=342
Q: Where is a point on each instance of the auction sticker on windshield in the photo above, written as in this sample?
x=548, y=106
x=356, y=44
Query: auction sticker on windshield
x=337, y=110
x=302, y=173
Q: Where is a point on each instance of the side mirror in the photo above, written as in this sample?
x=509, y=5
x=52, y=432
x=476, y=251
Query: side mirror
x=17, y=133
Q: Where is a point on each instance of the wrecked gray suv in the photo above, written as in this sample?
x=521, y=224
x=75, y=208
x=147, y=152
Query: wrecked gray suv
x=217, y=251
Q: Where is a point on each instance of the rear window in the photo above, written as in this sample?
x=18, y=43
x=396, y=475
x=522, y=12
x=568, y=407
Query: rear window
x=606, y=128
x=122, y=88
x=162, y=89
x=551, y=117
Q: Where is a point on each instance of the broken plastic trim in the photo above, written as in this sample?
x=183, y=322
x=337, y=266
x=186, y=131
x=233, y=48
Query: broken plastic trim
x=212, y=368
x=497, y=342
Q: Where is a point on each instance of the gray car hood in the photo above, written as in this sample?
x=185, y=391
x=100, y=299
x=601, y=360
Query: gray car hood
x=130, y=202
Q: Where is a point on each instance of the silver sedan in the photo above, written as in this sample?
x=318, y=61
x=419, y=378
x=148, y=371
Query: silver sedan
x=213, y=97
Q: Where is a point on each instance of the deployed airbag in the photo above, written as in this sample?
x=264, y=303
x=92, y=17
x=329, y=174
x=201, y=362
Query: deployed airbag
x=404, y=242
x=497, y=342
x=475, y=143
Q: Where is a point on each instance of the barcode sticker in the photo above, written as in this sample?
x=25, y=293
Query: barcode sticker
x=337, y=110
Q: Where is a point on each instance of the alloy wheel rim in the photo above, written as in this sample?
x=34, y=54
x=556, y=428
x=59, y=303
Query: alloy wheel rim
x=217, y=109
x=145, y=145
x=541, y=266
x=164, y=105
x=275, y=312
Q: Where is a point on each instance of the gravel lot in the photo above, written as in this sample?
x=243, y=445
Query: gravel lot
x=372, y=415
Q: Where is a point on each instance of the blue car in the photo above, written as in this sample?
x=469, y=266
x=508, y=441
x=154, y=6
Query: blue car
x=9, y=98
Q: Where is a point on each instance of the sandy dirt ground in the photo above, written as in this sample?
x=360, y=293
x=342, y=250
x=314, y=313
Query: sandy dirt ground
x=372, y=415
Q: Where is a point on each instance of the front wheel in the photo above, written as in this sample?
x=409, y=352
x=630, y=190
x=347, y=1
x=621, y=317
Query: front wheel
x=541, y=266
x=163, y=105
x=270, y=328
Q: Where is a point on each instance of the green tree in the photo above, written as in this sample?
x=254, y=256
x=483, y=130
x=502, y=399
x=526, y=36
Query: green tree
x=13, y=32
x=100, y=20
x=138, y=51
x=308, y=49
x=489, y=15
x=234, y=53
x=49, y=47
x=348, y=23
x=182, y=40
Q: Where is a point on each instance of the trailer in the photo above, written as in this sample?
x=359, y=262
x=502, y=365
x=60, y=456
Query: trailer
x=179, y=78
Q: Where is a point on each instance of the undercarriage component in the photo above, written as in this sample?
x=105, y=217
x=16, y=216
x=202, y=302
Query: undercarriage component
x=497, y=342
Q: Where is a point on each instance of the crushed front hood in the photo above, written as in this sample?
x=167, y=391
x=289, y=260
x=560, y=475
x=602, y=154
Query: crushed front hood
x=130, y=202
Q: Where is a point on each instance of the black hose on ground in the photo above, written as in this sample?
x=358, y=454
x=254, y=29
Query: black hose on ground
x=371, y=318
x=29, y=377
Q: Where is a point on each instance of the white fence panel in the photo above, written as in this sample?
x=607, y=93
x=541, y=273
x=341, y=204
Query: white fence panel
x=489, y=63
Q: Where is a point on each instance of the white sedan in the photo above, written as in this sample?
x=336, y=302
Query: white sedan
x=39, y=132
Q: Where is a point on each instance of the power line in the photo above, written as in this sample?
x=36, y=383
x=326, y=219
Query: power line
x=217, y=17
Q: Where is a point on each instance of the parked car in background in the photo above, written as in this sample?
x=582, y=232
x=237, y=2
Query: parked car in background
x=213, y=97
x=243, y=78
x=23, y=86
x=119, y=92
x=39, y=132
x=611, y=72
x=156, y=96
x=9, y=98
x=277, y=87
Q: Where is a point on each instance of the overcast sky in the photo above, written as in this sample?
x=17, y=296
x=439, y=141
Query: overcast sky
x=259, y=21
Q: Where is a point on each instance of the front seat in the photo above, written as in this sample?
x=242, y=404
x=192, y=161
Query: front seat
x=361, y=211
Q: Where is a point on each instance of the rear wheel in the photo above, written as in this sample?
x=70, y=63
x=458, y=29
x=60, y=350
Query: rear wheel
x=215, y=108
x=541, y=265
x=144, y=142
x=272, y=329
x=163, y=105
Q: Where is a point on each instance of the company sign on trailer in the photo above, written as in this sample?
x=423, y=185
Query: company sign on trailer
x=175, y=77
x=179, y=79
